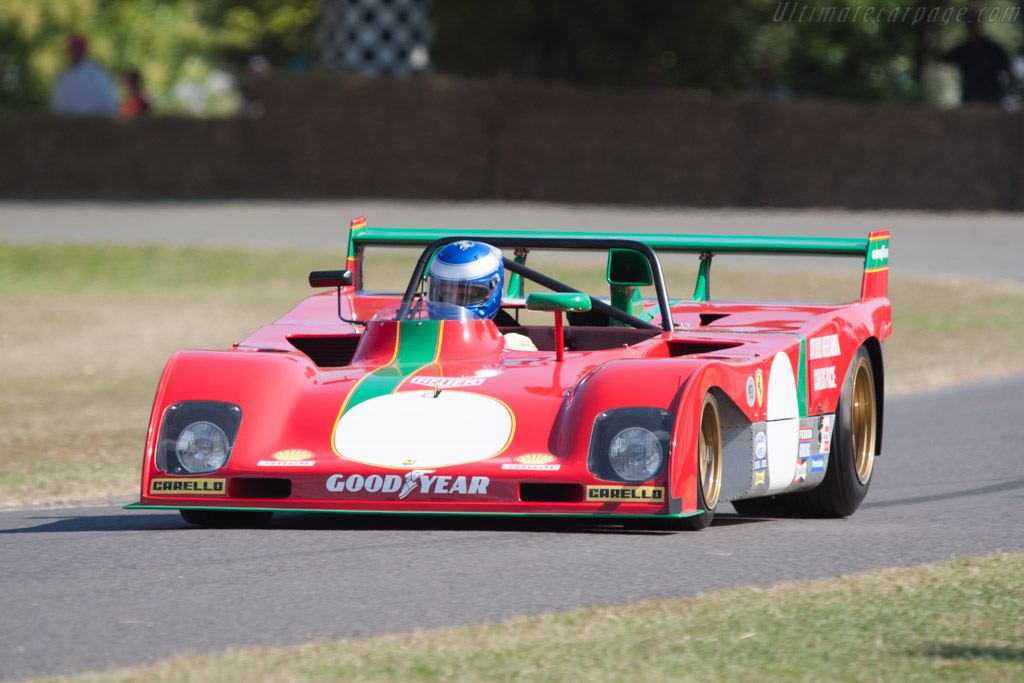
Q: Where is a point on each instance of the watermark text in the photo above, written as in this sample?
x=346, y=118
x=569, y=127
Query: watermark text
x=804, y=12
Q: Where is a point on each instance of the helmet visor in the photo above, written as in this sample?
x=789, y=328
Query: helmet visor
x=461, y=293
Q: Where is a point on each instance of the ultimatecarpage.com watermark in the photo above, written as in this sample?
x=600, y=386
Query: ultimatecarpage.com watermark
x=804, y=12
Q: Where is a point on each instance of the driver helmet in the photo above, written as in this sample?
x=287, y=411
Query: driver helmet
x=468, y=274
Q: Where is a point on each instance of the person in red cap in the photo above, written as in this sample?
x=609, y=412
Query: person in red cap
x=135, y=104
x=82, y=88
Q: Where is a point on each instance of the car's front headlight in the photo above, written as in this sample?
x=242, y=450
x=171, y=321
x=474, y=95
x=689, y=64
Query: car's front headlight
x=202, y=447
x=635, y=454
x=196, y=437
x=630, y=444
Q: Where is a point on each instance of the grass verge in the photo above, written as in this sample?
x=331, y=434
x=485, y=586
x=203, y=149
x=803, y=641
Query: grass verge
x=87, y=330
x=959, y=620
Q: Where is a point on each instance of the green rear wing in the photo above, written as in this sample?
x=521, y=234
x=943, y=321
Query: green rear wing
x=874, y=251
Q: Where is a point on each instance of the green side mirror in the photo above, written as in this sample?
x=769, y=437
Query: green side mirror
x=629, y=268
x=557, y=301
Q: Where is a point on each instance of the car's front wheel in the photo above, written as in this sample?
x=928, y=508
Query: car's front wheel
x=709, y=468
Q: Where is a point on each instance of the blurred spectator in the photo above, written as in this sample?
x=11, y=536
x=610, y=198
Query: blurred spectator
x=768, y=83
x=82, y=88
x=135, y=104
x=257, y=71
x=982, y=65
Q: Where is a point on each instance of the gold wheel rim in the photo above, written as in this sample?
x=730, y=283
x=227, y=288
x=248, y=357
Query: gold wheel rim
x=709, y=453
x=863, y=422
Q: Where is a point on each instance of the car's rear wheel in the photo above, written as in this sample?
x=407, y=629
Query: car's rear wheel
x=709, y=467
x=227, y=518
x=852, y=458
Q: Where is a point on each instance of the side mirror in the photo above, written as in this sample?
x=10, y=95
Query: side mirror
x=629, y=268
x=557, y=301
x=330, y=278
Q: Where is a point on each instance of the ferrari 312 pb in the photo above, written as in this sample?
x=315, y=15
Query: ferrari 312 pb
x=465, y=394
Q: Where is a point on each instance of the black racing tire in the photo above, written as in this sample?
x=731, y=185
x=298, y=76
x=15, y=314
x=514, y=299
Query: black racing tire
x=709, y=468
x=851, y=464
x=228, y=519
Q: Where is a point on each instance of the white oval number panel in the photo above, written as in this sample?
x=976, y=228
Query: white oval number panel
x=783, y=423
x=414, y=429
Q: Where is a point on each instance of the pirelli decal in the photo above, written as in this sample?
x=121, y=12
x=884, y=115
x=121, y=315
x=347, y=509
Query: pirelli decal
x=187, y=486
x=633, y=494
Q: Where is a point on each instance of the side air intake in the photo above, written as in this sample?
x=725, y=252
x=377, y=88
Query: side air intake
x=327, y=352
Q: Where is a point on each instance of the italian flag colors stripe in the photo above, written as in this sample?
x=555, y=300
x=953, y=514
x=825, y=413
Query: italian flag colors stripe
x=417, y=343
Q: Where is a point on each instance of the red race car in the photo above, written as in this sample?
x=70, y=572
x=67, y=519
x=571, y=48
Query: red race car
x=467, y=395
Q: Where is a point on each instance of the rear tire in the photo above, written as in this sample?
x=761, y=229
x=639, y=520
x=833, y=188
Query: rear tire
x=228, y=519
x=852, y=461
x=709, y=468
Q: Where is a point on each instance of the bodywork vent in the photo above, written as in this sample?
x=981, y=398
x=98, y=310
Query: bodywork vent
x=682, y=347
x=240, y=487
x=327, y=352
x=550, y=493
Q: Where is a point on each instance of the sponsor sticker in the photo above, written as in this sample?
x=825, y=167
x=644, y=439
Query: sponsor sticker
x=824, y=347
x=292, y=454
x=527, y=466
x=758, y=478
x=535, y=462
x=535, y=458
x=826, y=433
x=638, y=494
x=878, y=253
x=825, y=378
x=751, y=392
x=285, y=463
x=187, y=486
x=417, y=482
x=760, y=445
x=801, y=471
x=818, y=463
x=447, y=382
x=804, y=447
x=759, y=387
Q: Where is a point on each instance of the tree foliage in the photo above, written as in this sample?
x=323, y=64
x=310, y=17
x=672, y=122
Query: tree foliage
x=875, y=50
x=187, y=50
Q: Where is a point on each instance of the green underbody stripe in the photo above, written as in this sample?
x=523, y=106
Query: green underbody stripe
x=590, y=515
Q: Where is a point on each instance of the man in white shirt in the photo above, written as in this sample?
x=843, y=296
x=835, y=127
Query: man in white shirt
x=83, y=88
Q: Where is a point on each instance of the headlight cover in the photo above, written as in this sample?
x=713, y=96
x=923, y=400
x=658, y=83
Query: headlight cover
x=635, y=454
x=630, y=444
x=202, y=447
x=196, y=437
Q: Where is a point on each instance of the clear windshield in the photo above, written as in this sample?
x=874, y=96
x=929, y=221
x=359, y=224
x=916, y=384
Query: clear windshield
x=462, y=292
x=419, y=309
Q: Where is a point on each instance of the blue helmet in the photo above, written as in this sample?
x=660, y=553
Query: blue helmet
x=468, y=274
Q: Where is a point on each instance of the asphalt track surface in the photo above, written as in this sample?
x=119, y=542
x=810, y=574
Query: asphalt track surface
x=91, y=588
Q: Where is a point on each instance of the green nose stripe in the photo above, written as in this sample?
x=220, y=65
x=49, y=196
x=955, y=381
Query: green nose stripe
x=418, y=342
